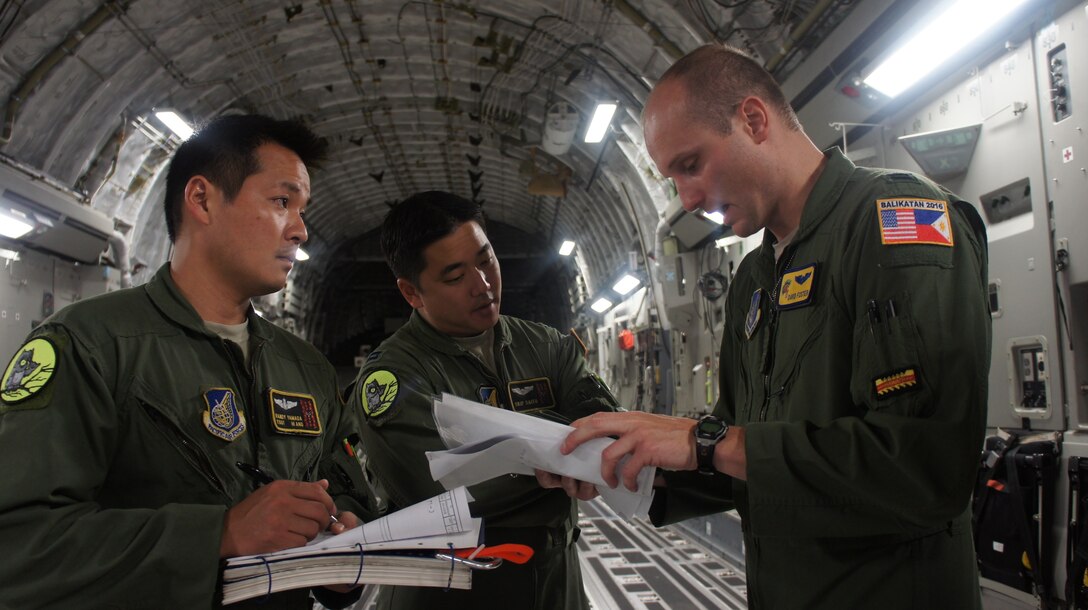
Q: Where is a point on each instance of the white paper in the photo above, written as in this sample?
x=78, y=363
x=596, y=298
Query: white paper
x=435, y=523
x=486, y=442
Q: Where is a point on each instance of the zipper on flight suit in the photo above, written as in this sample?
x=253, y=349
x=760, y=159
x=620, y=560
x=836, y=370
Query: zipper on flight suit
x=767, y=365
x=184, y=446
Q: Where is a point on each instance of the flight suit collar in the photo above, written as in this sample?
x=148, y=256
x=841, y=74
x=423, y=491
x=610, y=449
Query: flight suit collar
x=442, y=342
x=166, y=296
x=826, y=192
x=821, y=201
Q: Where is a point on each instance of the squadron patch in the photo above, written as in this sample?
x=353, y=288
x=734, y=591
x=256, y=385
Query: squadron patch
x=222, y=417
x=914, y=221
x=294, y=413
x=897, y=382
x=488, y=395
x=29, y=372
x=378, y=392
x=751, y=322
x=531, y=394
x=797, y=287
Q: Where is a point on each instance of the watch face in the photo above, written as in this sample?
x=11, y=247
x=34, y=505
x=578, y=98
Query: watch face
x=710, y=428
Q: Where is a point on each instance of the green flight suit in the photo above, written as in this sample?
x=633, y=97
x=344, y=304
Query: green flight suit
x=540, y=372
x=114, y=492
x=864, y=420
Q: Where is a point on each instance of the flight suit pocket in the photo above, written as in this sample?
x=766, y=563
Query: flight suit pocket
x=191, y=466
x=888, y=373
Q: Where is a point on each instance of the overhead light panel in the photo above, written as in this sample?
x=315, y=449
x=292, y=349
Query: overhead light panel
x=300, y=255
x=13, y=224
x=566, y=248
x=946, y=34
x=601, y=305
x=602, y=118
x=626, y=284
x=10, y=255
x=175, y=123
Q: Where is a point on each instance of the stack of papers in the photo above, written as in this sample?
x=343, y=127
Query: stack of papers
x=398, y=549
x=486, y=442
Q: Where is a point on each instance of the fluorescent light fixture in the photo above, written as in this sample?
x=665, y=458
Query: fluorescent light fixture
x=601, y=305
x=300, y=255
x=626, y=284
x=11, y=255
x=717, y=217
x=566, y=248
x=958, y=26
x=12, y=226
x=602, y=118
x=175, y=123
x=729, y=240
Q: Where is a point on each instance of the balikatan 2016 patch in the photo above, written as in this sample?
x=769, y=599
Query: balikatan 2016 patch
x=797, y=287
x=896, y=382
x=914, y=221
x=531, y=394
x=222, y=419
x=29, y=372
x=294, y=413
x=378, y=392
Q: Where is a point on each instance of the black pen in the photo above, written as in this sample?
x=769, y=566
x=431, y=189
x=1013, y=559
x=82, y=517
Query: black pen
x=262, y=478
x=258, y=475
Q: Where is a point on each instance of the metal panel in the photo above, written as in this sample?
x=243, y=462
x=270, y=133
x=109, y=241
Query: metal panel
x=1062, y=61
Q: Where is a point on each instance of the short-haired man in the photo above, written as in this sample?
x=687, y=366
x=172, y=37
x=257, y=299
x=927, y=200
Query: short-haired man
x=456, y=342
x=123, y=416
x=854, y=360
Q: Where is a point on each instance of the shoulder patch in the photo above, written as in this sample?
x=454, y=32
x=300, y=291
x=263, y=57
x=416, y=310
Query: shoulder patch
x=914, y=221
x=378, y=392
x=29, y=372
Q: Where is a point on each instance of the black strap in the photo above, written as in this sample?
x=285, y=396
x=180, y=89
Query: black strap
x=1079, y=553
x=980, y=503
x=1023, y=522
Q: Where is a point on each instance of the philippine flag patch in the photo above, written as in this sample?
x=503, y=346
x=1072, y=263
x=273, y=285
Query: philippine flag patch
x=914, y=221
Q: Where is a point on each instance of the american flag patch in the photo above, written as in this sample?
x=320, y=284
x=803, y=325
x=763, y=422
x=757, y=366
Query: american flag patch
x=914, y=221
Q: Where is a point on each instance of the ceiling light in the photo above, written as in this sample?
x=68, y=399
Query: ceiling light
x=11, y=255
x=945, y=35
x=13, y=224
x=717, y=217
x=602, y=118
x=601, y=305
x=566, y=248
x=175, y=123
x=626, y=284
x=300, y=255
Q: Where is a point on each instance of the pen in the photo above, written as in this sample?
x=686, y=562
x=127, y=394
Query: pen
x=262, y=478
x=258, y=475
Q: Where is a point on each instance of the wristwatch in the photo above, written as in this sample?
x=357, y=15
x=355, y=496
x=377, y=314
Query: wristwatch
x=708, y=432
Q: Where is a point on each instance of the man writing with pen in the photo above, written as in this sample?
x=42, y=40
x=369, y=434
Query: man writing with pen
x=133, y=410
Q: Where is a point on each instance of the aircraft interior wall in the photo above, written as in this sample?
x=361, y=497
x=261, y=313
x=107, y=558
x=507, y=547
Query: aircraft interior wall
x=1009, y=137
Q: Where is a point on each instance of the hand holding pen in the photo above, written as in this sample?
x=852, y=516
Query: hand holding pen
x=280, y=514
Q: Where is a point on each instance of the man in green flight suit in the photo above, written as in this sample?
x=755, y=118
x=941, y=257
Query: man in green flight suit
x=854, y=360
x=123, y=417
x=456, y=342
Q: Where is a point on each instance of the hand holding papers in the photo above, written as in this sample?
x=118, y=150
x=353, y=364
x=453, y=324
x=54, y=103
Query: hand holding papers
x=431, y=543
x=486, y=442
